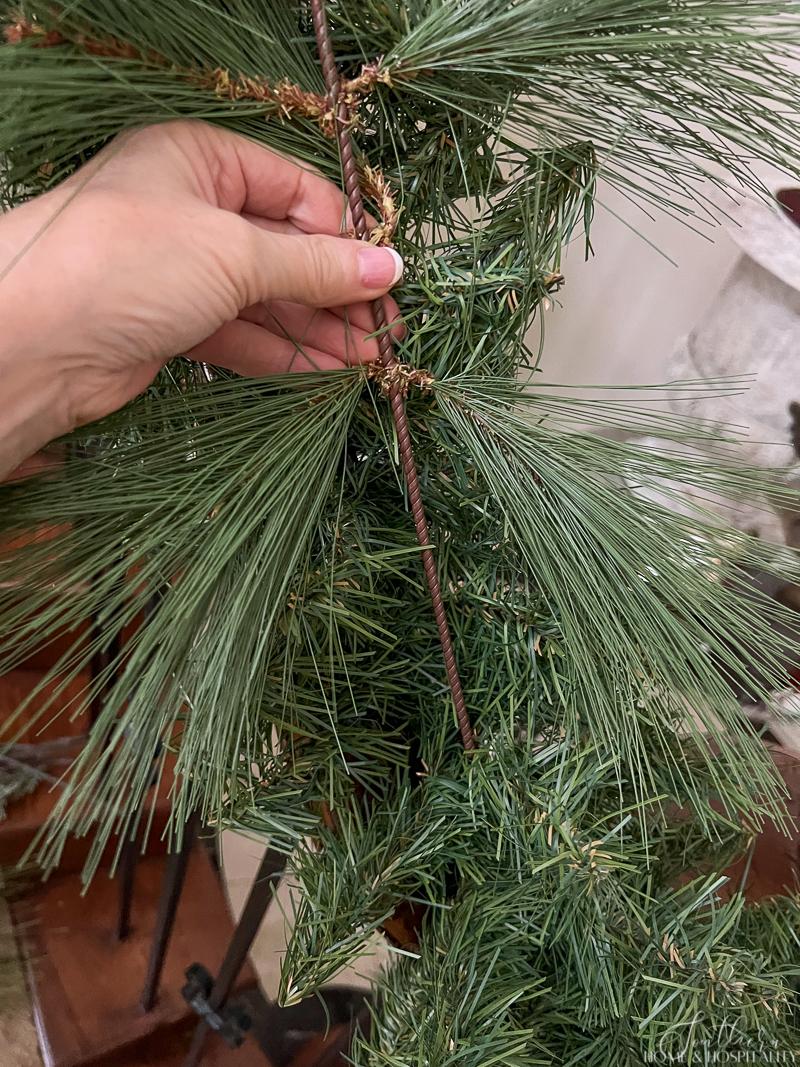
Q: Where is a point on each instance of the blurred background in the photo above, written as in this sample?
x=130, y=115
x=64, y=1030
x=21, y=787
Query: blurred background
x=621, y=311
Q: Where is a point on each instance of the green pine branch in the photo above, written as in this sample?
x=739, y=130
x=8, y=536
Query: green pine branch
x=252, y=539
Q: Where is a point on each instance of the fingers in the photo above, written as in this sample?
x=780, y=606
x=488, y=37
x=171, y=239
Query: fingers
x=247, y=349
x=257, y=181
x=225, y=170
x=318, y=329
x=272, y=225
x=361, y=315
x=285, y=226
x=318, y=271
x=49, y=460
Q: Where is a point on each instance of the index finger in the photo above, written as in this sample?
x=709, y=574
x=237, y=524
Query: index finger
x=273, y=186
x=226, y=170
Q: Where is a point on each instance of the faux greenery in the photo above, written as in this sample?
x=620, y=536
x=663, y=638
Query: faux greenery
x=253, y=540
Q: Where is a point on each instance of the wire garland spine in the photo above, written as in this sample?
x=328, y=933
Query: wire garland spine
x=352, y=186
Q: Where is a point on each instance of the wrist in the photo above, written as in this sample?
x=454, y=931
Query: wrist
x=33, y=409
x=33, y=400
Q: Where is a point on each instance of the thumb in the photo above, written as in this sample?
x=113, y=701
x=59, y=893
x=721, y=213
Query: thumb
x=319, y=271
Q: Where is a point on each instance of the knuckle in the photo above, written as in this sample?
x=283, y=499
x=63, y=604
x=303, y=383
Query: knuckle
x=325, y=270
x=235, y=250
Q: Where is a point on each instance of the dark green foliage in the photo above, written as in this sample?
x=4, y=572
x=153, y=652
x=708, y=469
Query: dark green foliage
x=289, y=655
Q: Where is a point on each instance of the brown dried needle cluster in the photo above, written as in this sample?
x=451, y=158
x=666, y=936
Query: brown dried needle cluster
x=400, y=376
x=377, y=189
x=22, y=29
x=289, y=99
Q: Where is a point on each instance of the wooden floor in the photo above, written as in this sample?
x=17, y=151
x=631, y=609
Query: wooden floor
x=86, y=985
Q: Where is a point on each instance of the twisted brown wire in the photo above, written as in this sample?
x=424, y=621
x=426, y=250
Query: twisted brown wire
x=355, y=201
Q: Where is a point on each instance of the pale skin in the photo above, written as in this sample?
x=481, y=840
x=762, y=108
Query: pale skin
x=178, y=238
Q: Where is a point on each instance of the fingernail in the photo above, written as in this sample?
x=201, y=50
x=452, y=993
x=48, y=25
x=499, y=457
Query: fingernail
x=379, y=268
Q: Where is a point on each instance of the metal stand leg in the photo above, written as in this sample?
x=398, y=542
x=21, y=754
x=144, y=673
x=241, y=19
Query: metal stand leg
x=174, y=877
x=337, y=1050
x=325, y=1018
x=258, y=901
x=127, y=875
x=100, y=662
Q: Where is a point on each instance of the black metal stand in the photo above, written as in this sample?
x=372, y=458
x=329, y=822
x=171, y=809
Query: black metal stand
x=281, y=1033
x=174, y=877
x=231, y=1022
x=212, y=1007
x=129, y=860
x=127, y=876
x=277, y=1031
x=100, y=662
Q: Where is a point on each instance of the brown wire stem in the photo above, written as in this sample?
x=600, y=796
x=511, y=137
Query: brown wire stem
x=355, y=200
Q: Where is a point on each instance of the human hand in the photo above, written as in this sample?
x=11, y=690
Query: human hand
x=178, y=238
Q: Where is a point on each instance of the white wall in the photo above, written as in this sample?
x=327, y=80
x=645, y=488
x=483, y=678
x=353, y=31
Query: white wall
x=620, y=313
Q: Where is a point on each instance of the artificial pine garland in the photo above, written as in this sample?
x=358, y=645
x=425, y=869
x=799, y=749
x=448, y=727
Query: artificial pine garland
x=556, y=892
